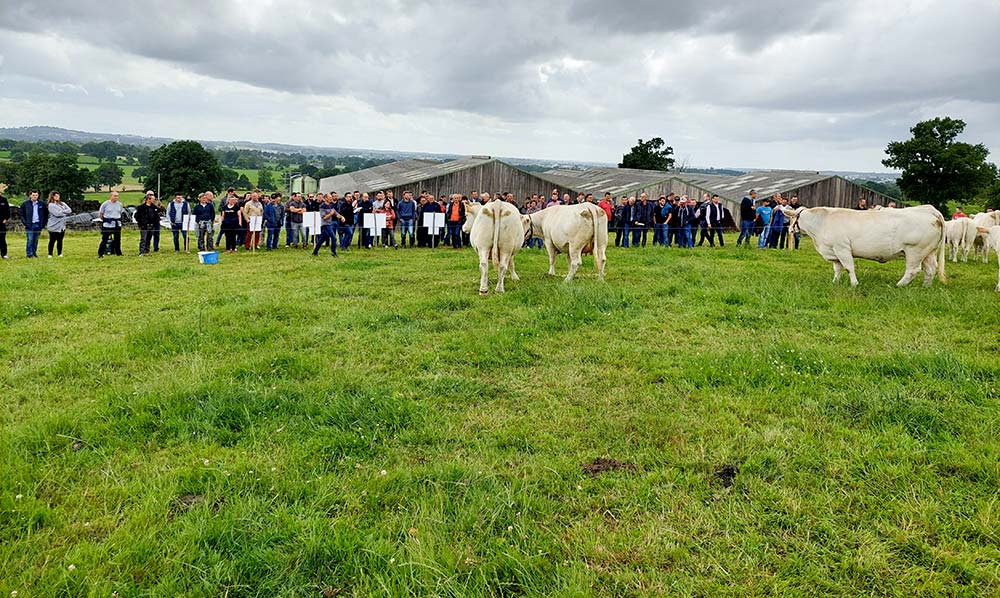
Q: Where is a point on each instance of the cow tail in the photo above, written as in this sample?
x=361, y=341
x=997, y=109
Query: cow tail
x=495, y=250
x=941, y=257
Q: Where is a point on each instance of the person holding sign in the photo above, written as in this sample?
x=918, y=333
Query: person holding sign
x=176, y=212
x=388, y=234
x=329, y=218
x=253, y=209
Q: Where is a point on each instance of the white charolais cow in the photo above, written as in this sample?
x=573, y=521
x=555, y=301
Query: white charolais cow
x=573, y=230
x=984, y=220
x=840, y=235
x=992, y=240
x=496, y=230
x=959, y=235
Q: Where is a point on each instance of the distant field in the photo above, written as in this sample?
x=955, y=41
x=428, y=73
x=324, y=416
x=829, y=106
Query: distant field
x=283, y=425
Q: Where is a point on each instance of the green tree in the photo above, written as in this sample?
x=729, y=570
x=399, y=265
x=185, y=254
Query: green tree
x=108, y=174
x=654, y=154
x=935, y=167
x=52, y=172
x=265, y=180
x=183, y=167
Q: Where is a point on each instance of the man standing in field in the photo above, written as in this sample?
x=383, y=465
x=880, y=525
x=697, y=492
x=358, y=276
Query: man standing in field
x=146, y=216
x=747, y=217
x=33, y=216
x=764, y=213
x=329, y=217
x=110, y=213
x=297, y=209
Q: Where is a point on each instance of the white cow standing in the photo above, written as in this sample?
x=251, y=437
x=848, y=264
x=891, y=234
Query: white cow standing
x=960, y=234
x=978, y=240
x=573, y=230
x=496, y=230
x=840, y=235
x=992, y=236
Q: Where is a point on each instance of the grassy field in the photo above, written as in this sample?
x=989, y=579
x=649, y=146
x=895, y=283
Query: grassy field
x=283, y=425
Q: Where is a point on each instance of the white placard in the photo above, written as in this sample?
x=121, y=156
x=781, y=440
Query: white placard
x=311, y=221
x=190, y=223
x=256, y=224
x=374, y=222
x=433, y=220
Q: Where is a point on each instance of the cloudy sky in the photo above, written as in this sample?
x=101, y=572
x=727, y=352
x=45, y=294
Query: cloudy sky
x=769, y=84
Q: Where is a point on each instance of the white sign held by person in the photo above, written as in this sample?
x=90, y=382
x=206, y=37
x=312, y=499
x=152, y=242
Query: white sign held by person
x=375, y=223
x=434, y=222
x=190, y=223
x=256, y=224
x=311, y=222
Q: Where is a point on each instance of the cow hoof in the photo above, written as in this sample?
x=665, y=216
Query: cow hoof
x=515, y=277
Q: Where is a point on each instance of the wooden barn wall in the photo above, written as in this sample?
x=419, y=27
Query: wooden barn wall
x=492, y=177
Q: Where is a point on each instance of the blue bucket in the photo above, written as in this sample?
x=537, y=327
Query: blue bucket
x=208, y=257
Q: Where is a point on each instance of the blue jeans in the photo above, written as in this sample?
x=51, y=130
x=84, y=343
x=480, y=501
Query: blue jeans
x=175, y=230
x=31, y=244
x=407, y=227
x=687, y=236
x=625, y=234
x=271, y=242
x=156, y=239
x=328, y=232
x=288, y=233
x=659, y=234
x=764, y=236
x=535, y=242
x=346, y=235
x=455, y=232
x=746, y=231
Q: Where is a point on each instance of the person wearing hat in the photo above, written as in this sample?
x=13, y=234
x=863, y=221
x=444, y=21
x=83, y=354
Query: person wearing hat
x=147, y=216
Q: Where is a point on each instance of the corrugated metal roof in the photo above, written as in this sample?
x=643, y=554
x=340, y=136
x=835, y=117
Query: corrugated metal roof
x=766, y=183
x=600, y=180
x=404, y=172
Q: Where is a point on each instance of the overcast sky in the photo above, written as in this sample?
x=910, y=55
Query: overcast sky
x=768, y=84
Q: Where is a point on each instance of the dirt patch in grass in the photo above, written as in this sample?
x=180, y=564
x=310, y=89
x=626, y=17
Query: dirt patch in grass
x=727, y=474
x=603, y=464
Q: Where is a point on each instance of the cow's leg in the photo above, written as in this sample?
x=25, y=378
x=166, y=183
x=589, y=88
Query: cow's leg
x=954, y=251
x=549, y=247
x=575, y=259
x=838, y=269
x=513, y=272
x=599, y=260
x=846, y=259
x=502, y=264
x=998, y=272
x=930, y=268
x=913, y=262
x=484, y=271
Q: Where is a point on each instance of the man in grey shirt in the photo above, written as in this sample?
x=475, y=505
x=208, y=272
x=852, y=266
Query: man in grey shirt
x=111, y=214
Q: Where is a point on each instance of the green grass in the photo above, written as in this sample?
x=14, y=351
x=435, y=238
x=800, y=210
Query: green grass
x=280, y=424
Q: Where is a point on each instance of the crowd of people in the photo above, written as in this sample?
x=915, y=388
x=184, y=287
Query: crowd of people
x=255, y=220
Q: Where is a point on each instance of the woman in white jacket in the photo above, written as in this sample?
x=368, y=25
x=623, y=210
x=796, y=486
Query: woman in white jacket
x=58, y=211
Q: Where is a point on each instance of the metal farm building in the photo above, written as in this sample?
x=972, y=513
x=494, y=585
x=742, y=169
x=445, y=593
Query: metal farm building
x=486, y=174
x=814, y=189
x=474, y=173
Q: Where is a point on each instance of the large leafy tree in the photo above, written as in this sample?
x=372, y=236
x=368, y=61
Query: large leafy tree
x=265, y=180
x=183, y=167
x=108, y=174
x=49, y=172
x=937, y=168
x=654, y=154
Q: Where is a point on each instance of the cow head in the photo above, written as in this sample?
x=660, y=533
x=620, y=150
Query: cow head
x=471, y=211
x=793, y=216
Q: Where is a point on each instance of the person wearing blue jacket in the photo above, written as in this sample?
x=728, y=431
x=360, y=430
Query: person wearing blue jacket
x=406, y=217
x=34, y=216
x=274, y=215
x=779, y=224
x=176, y=212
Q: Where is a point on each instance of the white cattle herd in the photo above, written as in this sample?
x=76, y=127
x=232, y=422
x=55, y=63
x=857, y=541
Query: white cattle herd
x=918, y=234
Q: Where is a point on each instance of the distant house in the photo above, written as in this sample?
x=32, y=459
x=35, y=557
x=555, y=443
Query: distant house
x=303, y=184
